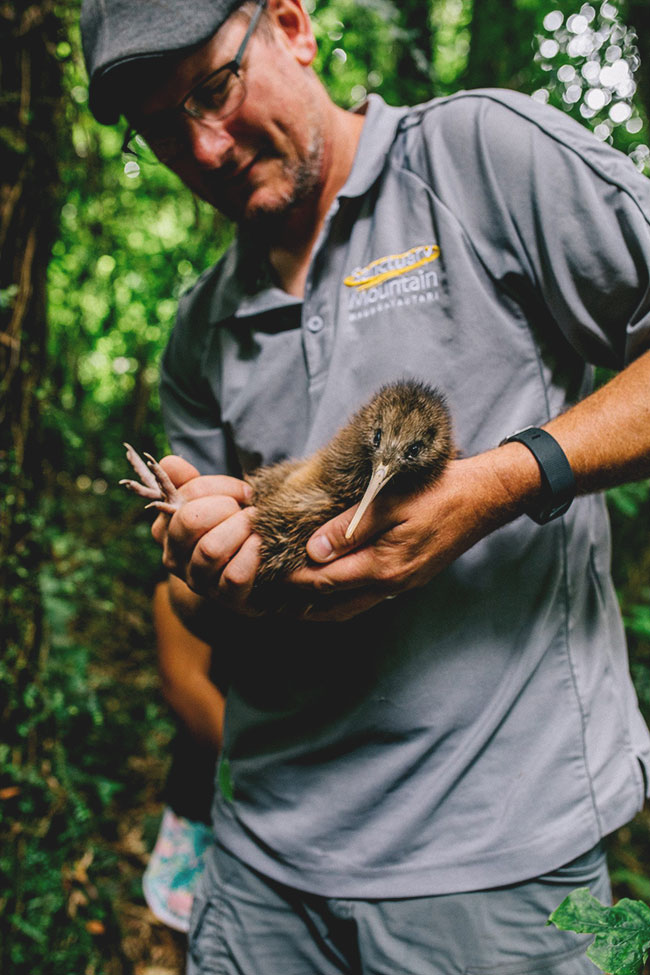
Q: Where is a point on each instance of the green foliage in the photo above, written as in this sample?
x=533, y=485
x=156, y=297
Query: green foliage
x=362, y=45
x=73, y=728
x=629, y=500
x=224, y=778
x=452, y=20
x=588, y=59
x=638, y=884
x=622, y=932
x=131, y=240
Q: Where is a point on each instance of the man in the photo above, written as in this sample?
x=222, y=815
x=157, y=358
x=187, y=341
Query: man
x=409, y=785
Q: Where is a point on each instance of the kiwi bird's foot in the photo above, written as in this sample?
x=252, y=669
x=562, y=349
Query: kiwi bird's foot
x=154, y=483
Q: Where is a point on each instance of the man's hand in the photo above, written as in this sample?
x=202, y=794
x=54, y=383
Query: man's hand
x=209, y=543
x=402, y=543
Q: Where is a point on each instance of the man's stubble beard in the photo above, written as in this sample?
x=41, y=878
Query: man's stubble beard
x=303, y=179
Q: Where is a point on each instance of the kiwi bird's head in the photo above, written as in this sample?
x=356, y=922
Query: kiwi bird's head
x=404, y=433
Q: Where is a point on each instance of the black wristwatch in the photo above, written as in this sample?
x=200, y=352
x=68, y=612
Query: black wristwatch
x=558, y=482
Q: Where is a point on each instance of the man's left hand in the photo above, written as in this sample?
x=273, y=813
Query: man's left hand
x=403, y=542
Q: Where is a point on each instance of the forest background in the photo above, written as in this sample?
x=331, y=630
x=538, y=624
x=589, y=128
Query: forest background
x=94, y=252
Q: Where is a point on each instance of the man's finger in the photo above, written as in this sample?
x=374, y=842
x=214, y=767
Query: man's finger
x=179, y=470
x=352, y=571
x=211, y=484
x=237, y=579
x=215, y=549
x=159, y=527
x=185, y=475
x=197, y=517
x=330, y=541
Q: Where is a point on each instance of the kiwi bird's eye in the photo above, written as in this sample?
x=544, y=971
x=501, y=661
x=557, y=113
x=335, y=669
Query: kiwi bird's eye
x=376, y=439
x=413, y=450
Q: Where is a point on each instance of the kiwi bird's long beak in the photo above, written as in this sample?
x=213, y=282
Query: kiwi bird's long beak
x=379, y=479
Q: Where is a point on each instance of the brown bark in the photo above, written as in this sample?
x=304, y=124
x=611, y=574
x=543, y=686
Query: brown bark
x=30, y=81
x=501, y=44
x=413, y=81
x=30, y=86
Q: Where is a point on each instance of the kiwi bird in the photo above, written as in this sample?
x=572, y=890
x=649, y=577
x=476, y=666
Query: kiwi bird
x=401, y=440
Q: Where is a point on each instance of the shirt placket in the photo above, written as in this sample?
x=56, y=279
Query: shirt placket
x=317, y=311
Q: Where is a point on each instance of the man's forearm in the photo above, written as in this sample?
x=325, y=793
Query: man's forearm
x=606, y=438
x=197, y=613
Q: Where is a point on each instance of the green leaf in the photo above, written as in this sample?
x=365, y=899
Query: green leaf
x=225, y=781
x=622, y=932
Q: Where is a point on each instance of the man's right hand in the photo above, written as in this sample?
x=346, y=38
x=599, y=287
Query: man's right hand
x=209, y=542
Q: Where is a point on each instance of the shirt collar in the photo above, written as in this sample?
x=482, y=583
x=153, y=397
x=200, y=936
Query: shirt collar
x=377, y=136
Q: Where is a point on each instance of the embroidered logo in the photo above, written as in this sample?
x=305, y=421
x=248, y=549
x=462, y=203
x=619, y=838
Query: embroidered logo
x=390, y=267
x=392, y=281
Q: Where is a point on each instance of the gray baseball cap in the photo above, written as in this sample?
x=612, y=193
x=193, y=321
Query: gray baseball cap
x=117, y=34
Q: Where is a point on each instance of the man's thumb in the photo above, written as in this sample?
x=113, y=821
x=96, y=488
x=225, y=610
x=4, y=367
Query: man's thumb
x=329, y=542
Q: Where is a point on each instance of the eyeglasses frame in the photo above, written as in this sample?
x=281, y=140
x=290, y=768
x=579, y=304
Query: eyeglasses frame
x=234, y=66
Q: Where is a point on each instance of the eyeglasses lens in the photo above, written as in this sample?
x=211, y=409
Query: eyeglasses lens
x=220, y=96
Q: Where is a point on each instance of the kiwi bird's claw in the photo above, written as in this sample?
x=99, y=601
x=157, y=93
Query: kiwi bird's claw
x=141, y=490
x=167, y=487
x=154, y=483
x=140, y=468
x=168, y=507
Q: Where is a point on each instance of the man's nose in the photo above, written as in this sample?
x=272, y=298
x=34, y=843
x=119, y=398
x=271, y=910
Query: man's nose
x=209, y=142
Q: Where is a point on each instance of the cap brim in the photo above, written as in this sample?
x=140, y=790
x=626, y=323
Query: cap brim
x=123, y=38
x=108, y=91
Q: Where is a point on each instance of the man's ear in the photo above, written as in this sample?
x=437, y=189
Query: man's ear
x=290, y=17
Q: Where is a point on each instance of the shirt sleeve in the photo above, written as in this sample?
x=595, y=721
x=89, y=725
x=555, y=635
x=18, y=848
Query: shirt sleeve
x=555, y=214
x=191, y=414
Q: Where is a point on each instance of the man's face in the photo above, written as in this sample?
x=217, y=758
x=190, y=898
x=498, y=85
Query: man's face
x=266, y=157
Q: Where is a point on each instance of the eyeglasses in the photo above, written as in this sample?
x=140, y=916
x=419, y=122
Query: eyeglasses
x=216, y=97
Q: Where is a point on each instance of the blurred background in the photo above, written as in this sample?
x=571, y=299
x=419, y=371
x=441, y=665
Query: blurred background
x=95, y=249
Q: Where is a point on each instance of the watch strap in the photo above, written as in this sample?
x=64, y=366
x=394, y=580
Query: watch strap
x=558, y=482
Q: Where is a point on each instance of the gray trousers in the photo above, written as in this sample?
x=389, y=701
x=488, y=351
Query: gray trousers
x=245, y=924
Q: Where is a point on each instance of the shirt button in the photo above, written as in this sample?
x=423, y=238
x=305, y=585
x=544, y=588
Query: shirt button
x=315, y=323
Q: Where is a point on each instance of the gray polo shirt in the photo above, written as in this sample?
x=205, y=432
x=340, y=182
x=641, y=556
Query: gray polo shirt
x=483, y=729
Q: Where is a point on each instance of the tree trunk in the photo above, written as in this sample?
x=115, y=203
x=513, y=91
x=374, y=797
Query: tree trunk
x=501, y=44
x=31, y=98
x=413, y=82
x=30, y=82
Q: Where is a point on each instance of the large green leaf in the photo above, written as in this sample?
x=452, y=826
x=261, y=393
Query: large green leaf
x=622, y=932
